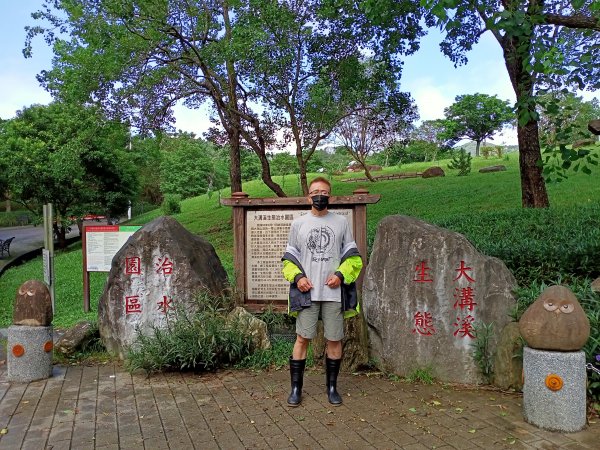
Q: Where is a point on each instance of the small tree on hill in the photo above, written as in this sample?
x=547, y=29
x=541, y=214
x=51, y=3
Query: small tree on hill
x=461, y=161
x=477, y=117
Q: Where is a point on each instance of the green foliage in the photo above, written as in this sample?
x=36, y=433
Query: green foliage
x=537, y=244
x=276, y=357
x=461, y=161
x=421, y=375
x=69, y=156
x=565, y=140
x=420, y=150
x=283, y=164
x=171, y=204
x=203, y=340
x=476, y=117
x=17, y=218
x=482, y=353
x=191, y=167
x=250, y=165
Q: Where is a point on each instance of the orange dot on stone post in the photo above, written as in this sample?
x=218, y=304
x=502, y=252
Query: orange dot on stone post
x=48, y=346
x=554, y=382
x=18, y=350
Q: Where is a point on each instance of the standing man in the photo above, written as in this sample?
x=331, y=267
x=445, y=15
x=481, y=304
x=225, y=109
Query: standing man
x=321, y=262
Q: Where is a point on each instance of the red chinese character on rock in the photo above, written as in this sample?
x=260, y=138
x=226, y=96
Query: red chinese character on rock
x=422, y=273
x=164, y=265
x=132, y=265
x=165, y=305
x=465, y=298
x=423, y=324
x=132, y=304
x=465, y=327
x=462, y=272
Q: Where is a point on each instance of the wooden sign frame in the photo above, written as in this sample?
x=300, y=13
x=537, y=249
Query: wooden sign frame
x=242, y=204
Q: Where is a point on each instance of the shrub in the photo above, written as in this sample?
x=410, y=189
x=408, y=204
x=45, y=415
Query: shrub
x=203, y=340
x=461, y=161
x=482, y=353
x=537, y=244
x=17, y=218
x=171, y=204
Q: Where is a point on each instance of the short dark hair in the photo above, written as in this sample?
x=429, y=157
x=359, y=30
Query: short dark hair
x=320, y=180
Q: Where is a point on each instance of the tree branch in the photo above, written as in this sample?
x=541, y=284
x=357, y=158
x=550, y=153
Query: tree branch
x=576, y=21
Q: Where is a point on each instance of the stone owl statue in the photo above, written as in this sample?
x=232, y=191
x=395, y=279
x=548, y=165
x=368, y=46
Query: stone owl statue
x=555, y=321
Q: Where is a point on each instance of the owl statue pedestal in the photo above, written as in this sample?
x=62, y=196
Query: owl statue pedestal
x=29, y=353
x=554, y=389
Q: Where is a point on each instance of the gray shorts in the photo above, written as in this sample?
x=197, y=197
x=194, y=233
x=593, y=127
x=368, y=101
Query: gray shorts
x=331, y=314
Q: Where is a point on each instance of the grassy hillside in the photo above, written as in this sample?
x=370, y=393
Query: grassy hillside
x=485, y=207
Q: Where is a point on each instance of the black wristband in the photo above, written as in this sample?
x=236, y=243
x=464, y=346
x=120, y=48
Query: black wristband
x=299, y=277
x=339, y=275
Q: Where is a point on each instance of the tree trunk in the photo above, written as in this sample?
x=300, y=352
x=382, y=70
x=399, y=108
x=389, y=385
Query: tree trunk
x=266, y=173
x=367, y=173
x=235, y=168
x=533, y=186
x=303, y=177
x=8, y=205
x=61, y=233
x=477, y=147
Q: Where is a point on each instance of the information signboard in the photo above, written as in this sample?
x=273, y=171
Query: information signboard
x=266, y=238
x=260, y=231
x=102, y=242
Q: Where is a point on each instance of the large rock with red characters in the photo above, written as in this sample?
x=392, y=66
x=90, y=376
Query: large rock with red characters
x=160, y=269
x=425, y=291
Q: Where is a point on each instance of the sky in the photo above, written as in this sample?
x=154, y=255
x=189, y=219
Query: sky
x=428, y=75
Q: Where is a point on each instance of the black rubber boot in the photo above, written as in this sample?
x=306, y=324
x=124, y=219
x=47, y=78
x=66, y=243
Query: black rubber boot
x=297, y=375
x=333, y=368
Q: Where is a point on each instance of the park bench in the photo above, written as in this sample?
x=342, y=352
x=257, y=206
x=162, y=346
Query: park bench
x=5, y=246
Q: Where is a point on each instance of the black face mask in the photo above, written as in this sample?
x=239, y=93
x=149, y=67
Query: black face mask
x=320, y=202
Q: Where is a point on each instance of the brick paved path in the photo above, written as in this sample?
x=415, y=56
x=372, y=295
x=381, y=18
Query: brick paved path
x=104, y=407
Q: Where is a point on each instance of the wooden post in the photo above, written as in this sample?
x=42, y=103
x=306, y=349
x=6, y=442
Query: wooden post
x=360, y=231
x=239, y=246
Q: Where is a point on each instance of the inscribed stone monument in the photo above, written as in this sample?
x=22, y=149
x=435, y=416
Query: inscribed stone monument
x=425, y=290
x=161, y=267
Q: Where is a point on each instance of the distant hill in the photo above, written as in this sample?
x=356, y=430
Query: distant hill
x=471, y=146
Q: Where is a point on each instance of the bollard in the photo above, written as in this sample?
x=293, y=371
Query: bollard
x=555, y=328
x=554, y=389
x=30, y=344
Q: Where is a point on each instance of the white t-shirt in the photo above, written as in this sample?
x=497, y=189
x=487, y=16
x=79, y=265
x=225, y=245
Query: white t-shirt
x=319, y=243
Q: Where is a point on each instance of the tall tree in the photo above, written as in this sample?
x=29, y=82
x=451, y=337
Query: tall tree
x=138, y=58
x=69, y=156
x=376, y=125
x=544, y=44
x=477, y=117
x=307, y=70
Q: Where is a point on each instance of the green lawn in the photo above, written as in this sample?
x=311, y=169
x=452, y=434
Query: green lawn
x=480, y=205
